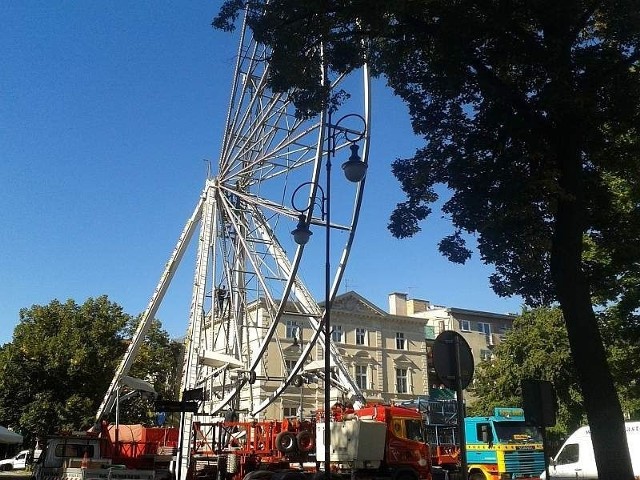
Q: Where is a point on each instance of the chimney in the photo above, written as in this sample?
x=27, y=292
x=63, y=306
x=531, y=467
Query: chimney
x=398, y=304
x=415, y=306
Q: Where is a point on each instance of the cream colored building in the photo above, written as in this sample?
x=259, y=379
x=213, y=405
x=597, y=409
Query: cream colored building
x=482, y=330
x=384, y=352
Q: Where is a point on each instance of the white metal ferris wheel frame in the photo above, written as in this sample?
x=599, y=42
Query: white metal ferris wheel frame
x=255, y=150
x=263, y=140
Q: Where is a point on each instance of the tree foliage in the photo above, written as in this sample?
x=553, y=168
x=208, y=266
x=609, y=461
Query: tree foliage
x=621, y=333
x=61, y=360
x=537, y=347
x=530, y=113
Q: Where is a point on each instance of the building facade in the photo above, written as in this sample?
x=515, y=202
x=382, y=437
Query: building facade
x=386, y=353
x=481, y=330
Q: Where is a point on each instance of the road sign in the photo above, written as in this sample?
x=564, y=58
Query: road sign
x=450, y=351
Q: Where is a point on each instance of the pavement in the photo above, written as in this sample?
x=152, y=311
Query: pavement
x=15, y=475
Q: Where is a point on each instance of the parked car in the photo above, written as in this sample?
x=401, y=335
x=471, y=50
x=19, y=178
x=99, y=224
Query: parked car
x=19, y=462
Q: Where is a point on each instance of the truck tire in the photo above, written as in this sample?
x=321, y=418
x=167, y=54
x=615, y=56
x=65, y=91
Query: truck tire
x=323, y=476
x=288, y=475
x=305, y=441
x=286, y=442
x=477, y=476
x=258, y=475
x=404, y=474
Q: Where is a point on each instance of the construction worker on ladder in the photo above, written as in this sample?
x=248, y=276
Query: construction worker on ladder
x=221, y=297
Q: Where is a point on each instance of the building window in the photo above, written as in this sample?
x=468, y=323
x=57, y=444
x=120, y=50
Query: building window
x=289, y=364
x=465, y=325
x=336, y=333
x=288, y=412
x=485, y=355
x=400, y=341
x=361, y=376
x=361, y=336
x=292, y=328
x=504, y=328
x=484, y=328
x=402, y=384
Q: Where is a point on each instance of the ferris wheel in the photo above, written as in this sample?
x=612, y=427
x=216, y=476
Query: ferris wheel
x=250, y=274
x=269, y=178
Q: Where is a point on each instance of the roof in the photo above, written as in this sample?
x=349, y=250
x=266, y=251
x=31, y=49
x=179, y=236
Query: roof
x=7, y=436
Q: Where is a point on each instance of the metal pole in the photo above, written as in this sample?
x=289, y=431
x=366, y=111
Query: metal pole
x=461, y=413
x=327, y=310
x=179, y=463
x=117, y=453
x=543, y=431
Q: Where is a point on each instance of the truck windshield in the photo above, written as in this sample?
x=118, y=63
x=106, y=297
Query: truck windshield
x=511, y=432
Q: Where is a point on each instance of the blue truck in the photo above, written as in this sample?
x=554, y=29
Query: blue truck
x=503, y=446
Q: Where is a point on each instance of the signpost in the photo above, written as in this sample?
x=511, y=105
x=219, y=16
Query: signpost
x=453, y=362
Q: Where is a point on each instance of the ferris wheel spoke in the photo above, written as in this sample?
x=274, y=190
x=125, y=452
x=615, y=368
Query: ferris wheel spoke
x=248, y=242
x=259, y=155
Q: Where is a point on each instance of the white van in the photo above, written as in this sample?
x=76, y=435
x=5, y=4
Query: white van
x=576, y=460
x=19, y=462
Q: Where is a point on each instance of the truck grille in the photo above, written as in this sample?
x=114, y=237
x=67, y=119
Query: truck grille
x=524, y=462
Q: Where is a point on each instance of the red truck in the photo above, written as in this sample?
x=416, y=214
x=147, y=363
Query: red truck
x=135, y=452
x=377, y=441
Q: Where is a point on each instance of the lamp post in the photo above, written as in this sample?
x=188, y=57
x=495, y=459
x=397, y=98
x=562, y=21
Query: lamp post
x=354, y=170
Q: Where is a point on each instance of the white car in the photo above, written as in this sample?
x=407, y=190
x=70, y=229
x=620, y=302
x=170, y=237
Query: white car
x=19, y=462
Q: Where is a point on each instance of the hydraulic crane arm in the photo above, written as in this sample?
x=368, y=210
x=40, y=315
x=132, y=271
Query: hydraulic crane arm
x=151, y=310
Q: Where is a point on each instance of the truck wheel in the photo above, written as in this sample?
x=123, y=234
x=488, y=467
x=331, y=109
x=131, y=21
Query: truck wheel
x=288, y=475
x=477, y=476
x=305, y=441
x=323, y=476
x=405, y=474
x=258, y=475
x=286, y=442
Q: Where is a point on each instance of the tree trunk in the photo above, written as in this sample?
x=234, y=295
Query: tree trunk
x=601, y=402
x=600, y=397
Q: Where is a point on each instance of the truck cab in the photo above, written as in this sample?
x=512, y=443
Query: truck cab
x=503, y=446
x=62, y=449
x=406, y=449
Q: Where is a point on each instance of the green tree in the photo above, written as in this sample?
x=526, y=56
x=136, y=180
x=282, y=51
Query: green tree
x=530, y=114
x=537, y=347
x=61, y=360
x=159, y=361
x=621, y=334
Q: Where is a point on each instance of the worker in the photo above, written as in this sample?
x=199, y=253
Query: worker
x=221, y=296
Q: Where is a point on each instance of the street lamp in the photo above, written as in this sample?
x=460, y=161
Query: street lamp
x=354, y=170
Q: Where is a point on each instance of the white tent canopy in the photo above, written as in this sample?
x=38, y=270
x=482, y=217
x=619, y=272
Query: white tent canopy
x=7, y=436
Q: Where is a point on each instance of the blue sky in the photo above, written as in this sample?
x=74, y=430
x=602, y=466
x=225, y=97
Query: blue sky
x=108, y=112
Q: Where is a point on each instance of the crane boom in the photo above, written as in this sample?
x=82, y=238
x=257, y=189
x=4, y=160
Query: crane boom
x=152, y=308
